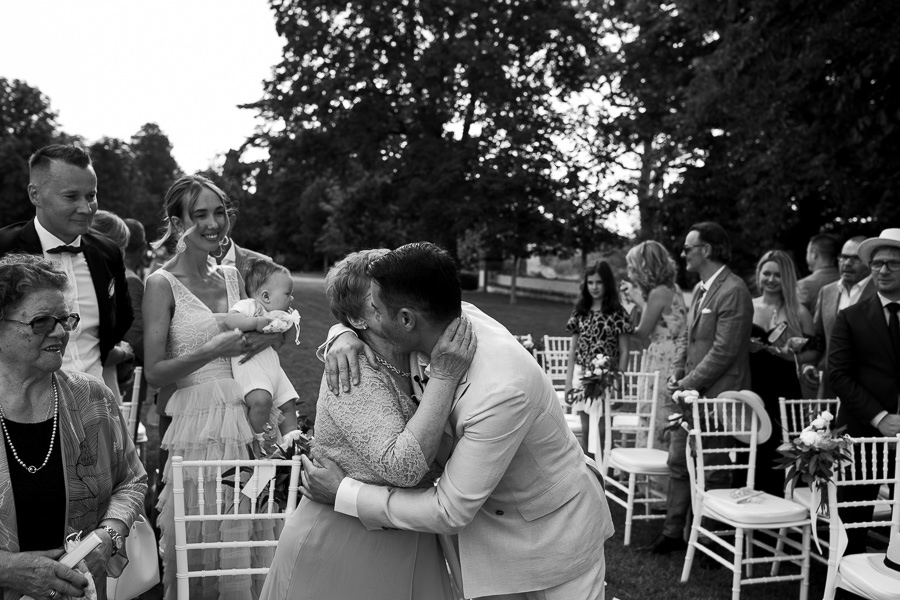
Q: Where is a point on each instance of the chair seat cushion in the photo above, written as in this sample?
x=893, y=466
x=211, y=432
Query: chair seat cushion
x=759, y=510
x=867, y=573
x=640, y=460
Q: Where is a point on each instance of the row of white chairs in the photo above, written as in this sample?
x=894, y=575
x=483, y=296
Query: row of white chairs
x=630, y=463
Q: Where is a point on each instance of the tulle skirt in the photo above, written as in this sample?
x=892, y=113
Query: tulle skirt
x=209, y=422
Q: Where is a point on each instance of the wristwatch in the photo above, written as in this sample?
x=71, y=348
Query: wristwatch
x=117, y=540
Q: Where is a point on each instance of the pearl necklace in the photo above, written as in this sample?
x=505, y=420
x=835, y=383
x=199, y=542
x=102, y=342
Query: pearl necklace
x=392, y=368
x=31, y=468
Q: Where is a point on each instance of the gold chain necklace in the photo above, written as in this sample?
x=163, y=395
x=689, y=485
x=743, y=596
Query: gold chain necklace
x=392, y=368
x=31, y=468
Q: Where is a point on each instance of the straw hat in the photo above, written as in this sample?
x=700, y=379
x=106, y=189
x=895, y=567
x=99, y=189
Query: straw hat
x=753, y=400
x=888, y=564
x=888, y=237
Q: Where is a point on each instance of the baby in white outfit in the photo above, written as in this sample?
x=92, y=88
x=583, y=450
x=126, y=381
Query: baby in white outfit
x=268, y=393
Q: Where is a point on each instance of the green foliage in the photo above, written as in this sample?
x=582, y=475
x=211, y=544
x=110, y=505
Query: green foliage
x=26, y=124
x=131, y=178
x=396, y=121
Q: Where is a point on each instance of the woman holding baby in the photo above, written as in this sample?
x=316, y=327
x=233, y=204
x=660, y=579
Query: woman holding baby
x=187, y=344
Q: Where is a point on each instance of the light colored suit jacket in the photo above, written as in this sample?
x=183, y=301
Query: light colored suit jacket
x=825, y=316
x=714, y=350
x=809, y=287
x=529, y=510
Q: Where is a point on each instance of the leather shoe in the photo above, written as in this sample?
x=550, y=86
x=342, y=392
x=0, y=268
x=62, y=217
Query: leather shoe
x=665, y=544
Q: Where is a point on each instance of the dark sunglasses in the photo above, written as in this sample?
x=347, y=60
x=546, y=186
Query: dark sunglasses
x=46, y=324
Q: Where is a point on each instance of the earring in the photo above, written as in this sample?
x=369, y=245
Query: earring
x=180, y=246
x=224, y=242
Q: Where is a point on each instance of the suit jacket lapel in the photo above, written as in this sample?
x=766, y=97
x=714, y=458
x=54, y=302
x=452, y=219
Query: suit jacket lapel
x=29, y=240
x=879, y=327
x=99, y=277
x=713, y=288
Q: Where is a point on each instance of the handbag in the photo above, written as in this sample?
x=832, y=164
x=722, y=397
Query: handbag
x=142, y=571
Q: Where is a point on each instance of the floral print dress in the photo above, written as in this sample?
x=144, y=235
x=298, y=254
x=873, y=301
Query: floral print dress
x=598, y=333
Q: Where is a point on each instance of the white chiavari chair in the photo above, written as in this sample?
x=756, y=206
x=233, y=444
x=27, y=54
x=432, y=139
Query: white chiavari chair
x=629, y=419
x=196, y=474
x=875, y=462
x=717, y=423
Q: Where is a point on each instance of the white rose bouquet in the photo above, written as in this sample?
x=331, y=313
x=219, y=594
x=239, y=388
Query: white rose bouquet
x=813, y=455
x=603, y=374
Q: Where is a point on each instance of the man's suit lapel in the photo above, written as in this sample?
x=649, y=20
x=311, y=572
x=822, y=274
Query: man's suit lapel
x=878, y=326
x=29, y=240
x=707, y=298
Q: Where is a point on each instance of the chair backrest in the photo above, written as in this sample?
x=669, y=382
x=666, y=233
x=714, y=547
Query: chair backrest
x=874, y=461
x=557, y=343
x=797, y=413
x=637, y=361
x=202, y=472
x=129, y=410
x=555, y=363
x=717, y=423
x=629, y=413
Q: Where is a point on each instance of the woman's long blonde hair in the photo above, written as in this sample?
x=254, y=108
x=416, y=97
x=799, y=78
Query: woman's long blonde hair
x=788, y=285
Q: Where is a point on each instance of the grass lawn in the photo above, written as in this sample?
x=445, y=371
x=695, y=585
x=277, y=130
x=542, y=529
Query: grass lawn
x=631, y=574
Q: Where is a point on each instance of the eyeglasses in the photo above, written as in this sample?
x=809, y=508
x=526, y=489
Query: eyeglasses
x=46, y=324
x=848, y=258
x=892, y=265
x=687, y=248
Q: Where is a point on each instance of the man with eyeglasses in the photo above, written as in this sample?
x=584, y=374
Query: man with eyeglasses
x=864, y=365
x=713, y=356
x=854, y=285
x=63, y=189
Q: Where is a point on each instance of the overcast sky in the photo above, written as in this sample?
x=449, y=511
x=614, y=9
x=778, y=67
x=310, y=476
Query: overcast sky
x=109, y=66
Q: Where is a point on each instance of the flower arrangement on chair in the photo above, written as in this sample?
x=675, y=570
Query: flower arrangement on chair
x=682, y=420
x=604, y=373
x=813, y=456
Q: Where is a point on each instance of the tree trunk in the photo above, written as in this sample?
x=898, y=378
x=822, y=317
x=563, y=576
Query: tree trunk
x=648, y=201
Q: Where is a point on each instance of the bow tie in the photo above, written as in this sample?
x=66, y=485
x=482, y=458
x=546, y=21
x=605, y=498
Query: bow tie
x=67, y=249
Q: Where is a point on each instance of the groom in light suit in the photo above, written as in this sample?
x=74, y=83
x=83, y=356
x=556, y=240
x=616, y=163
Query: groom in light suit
x=529, y=508
x=713, y=357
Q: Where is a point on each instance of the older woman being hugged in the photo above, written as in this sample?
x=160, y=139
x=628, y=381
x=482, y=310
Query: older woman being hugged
x=66, y=462
x=186, y=345
x=378, y=432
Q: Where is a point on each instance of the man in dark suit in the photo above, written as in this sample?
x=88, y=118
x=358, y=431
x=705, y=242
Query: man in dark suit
x=713, y=357
x=864, y=364
x=854, y=286
x=63, y=189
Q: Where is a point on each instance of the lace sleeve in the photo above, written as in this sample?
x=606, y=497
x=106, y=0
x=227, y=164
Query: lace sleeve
x=372, y=423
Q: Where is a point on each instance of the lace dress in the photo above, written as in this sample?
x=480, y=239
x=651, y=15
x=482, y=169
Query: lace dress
x=661, y=355
x=323, y=554
x=208, y=423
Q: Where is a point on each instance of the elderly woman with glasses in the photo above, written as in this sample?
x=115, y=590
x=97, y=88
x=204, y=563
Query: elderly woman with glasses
x=67, y=465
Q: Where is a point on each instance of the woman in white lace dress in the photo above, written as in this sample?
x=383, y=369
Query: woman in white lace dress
x=379, y=433
x=663, y=316
x=186, y=345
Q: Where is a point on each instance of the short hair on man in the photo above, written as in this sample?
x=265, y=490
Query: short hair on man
x=421, y=276
x=66, y=153
x=715, y=235
x=826, y=245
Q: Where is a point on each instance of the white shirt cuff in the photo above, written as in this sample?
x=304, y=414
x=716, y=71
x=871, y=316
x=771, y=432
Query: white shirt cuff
x=878, y=418
x=345, y=500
